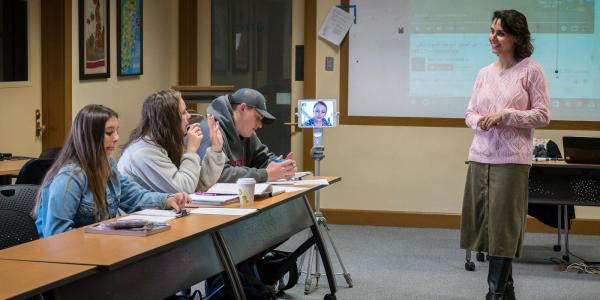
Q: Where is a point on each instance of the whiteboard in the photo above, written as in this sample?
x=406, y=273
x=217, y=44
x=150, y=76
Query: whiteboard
x=420, y=58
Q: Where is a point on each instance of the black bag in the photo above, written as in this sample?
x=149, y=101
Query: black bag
x=275, y=265
x=253, y=288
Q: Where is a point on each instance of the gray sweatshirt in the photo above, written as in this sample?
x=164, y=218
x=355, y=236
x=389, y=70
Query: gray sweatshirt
x=246, y=157
x=150, y=166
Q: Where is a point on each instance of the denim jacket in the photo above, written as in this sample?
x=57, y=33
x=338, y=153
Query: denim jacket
x=67, y=203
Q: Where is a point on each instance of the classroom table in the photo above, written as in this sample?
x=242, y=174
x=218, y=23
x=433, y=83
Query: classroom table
x=149, y=267
x=196, y=247
x=279, y=218
x=11, y=167
x=24, y=279
x=560, y=183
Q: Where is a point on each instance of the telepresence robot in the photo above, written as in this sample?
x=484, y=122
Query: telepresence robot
x=318, y=114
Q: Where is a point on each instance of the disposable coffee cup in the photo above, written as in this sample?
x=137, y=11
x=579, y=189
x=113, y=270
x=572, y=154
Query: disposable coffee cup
x=246, y=191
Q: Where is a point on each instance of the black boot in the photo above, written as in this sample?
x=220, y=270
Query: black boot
x=509, y=291
x=498, y=274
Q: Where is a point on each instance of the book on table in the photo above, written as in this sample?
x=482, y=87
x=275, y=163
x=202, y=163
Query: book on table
x=211, y=199
x=134, y=227
x=231, y=189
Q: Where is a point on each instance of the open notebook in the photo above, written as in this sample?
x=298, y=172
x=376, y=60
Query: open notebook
x=211, y=199
x=260, y=189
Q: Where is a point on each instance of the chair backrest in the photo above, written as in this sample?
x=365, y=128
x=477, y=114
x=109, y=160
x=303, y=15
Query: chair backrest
x=33, y=171
x=16, y=227
x=50, y=153
x=19, y=197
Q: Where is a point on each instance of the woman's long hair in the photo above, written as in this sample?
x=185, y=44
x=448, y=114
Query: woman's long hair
x=85, y=147
x=160, y=124
x=515, y=23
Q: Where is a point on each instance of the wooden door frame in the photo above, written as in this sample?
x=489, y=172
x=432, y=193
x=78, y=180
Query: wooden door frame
x=310, y=79
x=56, y=20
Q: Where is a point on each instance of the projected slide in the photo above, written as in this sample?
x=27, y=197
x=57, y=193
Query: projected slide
x=443, y=45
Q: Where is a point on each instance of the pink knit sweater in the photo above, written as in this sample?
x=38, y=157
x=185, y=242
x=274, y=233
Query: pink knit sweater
x=521, y=94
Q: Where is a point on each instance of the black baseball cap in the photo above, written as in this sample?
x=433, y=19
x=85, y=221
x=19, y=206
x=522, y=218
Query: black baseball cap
x=255, y=99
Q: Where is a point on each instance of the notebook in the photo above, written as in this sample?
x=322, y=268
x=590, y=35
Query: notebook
x=582, y=150
x=260, y=189
x=128, y=227
x=211, y=199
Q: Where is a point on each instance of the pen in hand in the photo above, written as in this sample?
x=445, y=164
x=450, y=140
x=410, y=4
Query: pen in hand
x=274, y=158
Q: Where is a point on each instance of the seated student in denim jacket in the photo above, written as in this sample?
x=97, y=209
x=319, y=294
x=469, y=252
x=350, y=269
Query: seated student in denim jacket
x=83, y=186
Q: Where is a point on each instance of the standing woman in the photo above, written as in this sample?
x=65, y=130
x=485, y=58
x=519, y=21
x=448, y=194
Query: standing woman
x=83, y=186
x=509, y=100
x=155, y=156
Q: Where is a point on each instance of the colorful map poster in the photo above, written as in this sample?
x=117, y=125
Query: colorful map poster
x=129, y=37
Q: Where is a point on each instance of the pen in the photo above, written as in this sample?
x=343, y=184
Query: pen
x=547, y=158
x=275, y=159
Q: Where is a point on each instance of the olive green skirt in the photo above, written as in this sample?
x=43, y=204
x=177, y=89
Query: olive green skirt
x=495, y=209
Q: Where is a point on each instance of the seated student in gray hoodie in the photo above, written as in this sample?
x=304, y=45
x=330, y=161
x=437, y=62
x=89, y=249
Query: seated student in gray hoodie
x=239, y=116
x=155, y=157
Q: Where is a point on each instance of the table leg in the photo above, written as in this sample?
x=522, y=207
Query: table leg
x=566, y=226
x=323, y=252
x=228, y=265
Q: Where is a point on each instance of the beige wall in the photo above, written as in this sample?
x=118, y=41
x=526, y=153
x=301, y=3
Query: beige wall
x=126, y=94
x=395, y=168
x=18, y=101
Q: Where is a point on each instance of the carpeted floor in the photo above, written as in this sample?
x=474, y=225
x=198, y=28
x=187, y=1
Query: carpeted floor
x=423, y=263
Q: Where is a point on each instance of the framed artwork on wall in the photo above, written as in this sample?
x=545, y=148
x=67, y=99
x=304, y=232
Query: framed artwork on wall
x=129, y=37
x=94, y=40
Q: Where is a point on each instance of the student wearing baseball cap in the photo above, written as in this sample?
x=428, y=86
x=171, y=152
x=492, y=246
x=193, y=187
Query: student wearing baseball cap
x=240, y=115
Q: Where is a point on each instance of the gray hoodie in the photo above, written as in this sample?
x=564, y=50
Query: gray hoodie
x=150, y=166
x=246, y=157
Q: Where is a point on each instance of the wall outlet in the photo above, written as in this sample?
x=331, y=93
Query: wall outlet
x=328, y=63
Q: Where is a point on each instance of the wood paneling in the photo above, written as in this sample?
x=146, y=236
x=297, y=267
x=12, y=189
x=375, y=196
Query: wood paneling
x=188, y=42
x=437, y=220
x=56, y=71
x=310, y=79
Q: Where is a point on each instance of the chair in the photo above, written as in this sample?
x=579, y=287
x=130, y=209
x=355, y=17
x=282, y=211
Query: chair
x=16, y=227
x=18, y=197
x=33, y=171
x=50, y=153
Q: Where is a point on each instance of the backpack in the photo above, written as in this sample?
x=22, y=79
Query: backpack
x=216, y=288
x=275, y=265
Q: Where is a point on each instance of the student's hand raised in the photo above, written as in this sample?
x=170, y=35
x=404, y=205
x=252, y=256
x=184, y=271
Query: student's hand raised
x=194, y=137
x=178, y=201
x=281, y=170
x=216, y=137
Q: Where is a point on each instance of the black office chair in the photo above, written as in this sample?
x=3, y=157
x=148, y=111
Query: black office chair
x=33, y=171
x=50, y=153
x=16, y=227
x=18, y=197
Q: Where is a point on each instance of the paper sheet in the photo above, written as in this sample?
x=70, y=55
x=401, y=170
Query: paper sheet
x=287, y=189
x=301, y=182
x=223, y=211
x=336, y=25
